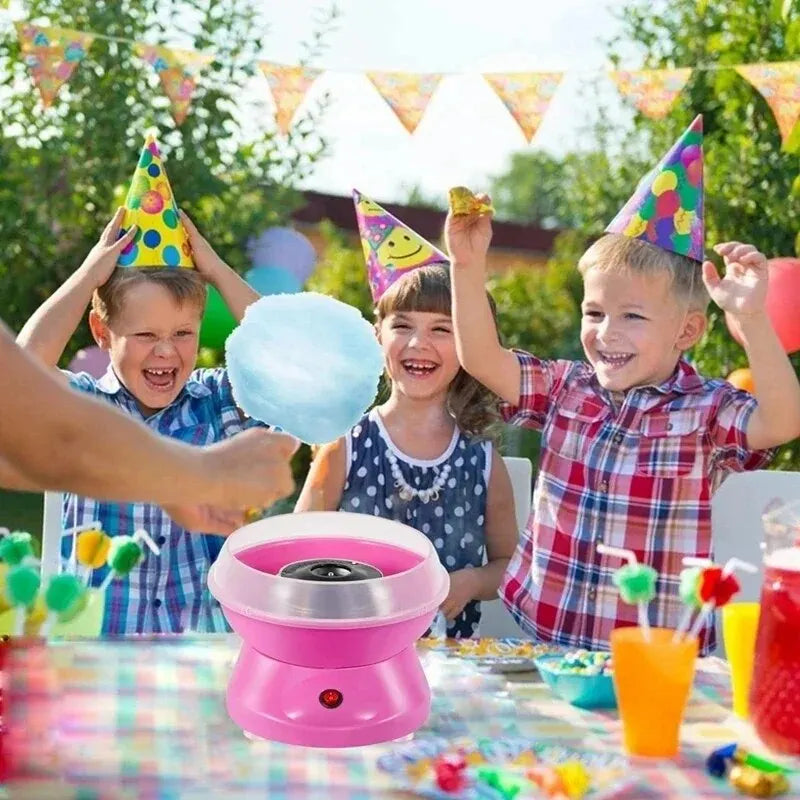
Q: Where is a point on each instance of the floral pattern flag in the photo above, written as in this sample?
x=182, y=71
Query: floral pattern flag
x=51, y=55
x=526, y=95
x=407, y=93
x=779, y=85
x=288, y=86
x=652, y=91
x=177, y=70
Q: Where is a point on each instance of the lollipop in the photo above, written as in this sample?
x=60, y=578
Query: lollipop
x=463, y=203
x=636, y=583
x=22, y=588
x=66, y=596
x=92, y=548
x=16, y=547
x=124, y=553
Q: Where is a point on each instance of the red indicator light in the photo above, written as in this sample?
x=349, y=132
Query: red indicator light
x=331, y=698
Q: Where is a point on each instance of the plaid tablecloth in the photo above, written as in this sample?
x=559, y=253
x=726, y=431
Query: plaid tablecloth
x=145, y=718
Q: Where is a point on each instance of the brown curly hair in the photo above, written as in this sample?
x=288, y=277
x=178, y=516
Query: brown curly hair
x=427, y=289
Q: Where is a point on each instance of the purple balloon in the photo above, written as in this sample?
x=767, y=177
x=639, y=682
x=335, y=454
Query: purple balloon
x=93, y=360
x=285, y=248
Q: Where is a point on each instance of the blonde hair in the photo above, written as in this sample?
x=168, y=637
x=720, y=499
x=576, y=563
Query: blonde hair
x=427, y=289
x=183, y=285
x=618, y=253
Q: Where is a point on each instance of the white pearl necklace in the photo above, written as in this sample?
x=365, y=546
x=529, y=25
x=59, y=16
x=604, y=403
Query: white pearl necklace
x=409, y=492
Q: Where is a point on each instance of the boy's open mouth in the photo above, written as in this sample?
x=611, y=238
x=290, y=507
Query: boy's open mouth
x=160, y=380
x=615, y=359
x=419, y=368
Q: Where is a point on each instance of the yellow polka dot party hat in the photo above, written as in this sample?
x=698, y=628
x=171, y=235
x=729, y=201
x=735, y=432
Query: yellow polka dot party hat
x=161, y=240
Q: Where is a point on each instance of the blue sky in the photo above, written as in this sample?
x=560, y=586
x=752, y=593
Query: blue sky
x=466, y=134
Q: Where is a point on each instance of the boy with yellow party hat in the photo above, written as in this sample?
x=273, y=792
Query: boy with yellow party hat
x=146, y=282
x=634, y=440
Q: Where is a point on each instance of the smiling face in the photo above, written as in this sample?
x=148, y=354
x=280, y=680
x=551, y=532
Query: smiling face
x=420, y=353
x=633, y=328
x=152, y=342
x=402, y=249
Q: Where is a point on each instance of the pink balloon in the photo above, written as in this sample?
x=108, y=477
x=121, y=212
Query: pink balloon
x=93, y=360
x=783, y=300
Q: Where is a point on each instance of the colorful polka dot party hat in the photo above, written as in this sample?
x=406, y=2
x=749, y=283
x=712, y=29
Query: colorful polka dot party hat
x=667, y=208
x=391, y=249
x=161, y=240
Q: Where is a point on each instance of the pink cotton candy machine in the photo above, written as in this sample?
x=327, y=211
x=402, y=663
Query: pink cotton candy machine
x=329, y=606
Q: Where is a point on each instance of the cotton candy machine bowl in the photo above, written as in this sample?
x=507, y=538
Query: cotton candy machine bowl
x=329, y=606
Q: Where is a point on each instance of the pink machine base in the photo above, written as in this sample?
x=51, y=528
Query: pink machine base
x=282, y=702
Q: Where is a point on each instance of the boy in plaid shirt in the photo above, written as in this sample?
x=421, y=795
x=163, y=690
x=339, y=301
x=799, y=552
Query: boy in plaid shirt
x=634, y=440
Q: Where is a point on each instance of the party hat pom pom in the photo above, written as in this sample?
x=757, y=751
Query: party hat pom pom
x=66, y=596
x=22, y=586
x=636, y=583
x=92, y=548
x=16, y=547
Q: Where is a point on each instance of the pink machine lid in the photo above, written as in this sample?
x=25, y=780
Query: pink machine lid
x=259, y=594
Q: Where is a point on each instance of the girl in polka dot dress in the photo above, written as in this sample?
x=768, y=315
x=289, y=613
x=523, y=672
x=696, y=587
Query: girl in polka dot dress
x=422, y=457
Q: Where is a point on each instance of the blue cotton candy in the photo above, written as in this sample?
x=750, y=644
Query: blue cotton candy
x=305, y=363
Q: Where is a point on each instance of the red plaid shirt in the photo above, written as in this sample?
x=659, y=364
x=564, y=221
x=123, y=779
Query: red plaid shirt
x=638, y=477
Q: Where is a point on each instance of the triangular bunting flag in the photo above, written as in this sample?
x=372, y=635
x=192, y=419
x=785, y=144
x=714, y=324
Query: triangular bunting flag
x=407, y=94
x=161, y=241
x=391, y=248
x=288, y=86
x=666, y=209
x=652, y=91
x=779, y=85
x=51, y=55
x=177, y=70
x=526, y=95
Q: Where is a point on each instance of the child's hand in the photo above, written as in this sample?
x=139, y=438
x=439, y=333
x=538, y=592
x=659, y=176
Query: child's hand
x=467, y=236
x=462, y=589
x=102, y=258
x=205, y=258
x=742, y=291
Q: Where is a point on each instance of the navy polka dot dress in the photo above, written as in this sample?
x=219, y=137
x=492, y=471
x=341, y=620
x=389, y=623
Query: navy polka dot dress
x=454, y=521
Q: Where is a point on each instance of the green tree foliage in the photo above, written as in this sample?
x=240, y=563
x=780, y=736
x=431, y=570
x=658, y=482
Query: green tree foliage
x=63, y=171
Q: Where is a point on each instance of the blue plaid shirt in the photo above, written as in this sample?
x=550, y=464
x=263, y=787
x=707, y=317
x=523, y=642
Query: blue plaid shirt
x=165, y=593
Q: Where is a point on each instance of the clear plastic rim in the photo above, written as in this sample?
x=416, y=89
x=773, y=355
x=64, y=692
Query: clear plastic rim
x=293, y=602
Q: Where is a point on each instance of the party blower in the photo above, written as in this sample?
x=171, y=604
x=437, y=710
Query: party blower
x=329, y=606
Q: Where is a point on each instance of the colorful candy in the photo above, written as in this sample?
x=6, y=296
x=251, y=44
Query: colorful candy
x=450, y=772
x=755, y=783
x=575, y=779
x=585, y=663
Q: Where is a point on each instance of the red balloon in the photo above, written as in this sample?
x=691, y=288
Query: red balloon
x=783, y=302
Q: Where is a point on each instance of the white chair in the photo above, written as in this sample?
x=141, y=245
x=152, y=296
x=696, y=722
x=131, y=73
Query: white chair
x=495, y=619
x=51, y=534
x=736, y=510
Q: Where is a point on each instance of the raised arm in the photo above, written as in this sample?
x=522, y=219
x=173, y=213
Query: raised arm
x=234, y=291
x=54, y=437
x=47, y=332
x=477, y=343
x=742, y=292
x=324, y=484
